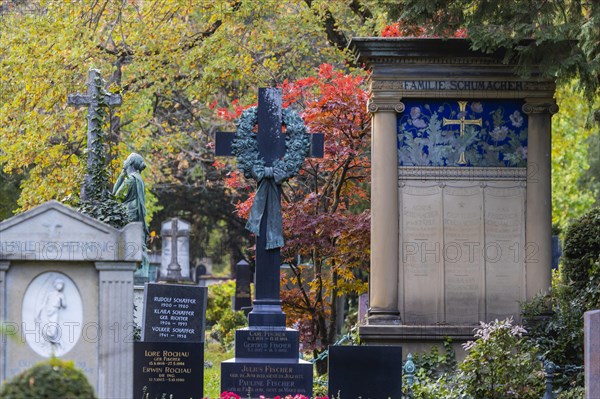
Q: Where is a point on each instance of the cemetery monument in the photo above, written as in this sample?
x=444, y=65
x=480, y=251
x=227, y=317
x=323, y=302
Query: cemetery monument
x=70, y=295
x=460, y=189
x=266, y=353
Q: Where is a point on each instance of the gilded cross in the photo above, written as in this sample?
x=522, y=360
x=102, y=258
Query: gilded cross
x=462, y=106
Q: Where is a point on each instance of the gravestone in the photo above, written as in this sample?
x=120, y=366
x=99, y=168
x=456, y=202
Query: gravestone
x=175, y=260
x=169, y=361
x=243, y=278
x=460, y=189
x=591, y=331
x=66, y=289
x=365, y=372
x=266, y=361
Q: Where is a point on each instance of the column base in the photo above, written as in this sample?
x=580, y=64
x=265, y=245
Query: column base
x=378, y=316
x=266, y=315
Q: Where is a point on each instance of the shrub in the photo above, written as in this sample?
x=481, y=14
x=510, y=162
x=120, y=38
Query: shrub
x=555, y=320
x=500, y=366
x=50, y=379
x=224, y=330
x=219, y=301
x=582, y=249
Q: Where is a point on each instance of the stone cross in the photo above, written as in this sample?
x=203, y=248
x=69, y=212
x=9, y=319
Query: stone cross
x=271, y=146
x=91, y=100
x=462, y=107
x=173, y=233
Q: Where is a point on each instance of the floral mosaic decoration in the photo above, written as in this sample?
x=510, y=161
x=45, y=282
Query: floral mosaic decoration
x=494, y=133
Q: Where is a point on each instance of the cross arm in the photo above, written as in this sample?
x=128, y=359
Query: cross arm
x=223, y=141
x=78, y=100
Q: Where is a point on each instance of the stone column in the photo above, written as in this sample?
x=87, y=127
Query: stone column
x=4, y=266
x=115, y=373
x=383, y=280
x=538, y=220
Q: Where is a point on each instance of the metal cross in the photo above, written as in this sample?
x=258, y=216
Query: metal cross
x=462, y=106
x=271, y=146
x=91, y=101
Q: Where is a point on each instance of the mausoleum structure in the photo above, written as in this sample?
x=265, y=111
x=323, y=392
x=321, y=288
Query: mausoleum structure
x=460, y=189
x=66, y=290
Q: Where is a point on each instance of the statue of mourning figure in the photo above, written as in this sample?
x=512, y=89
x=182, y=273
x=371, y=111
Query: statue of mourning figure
x=130, y=190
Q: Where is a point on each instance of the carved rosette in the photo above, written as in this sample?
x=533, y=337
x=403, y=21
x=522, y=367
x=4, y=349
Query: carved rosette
x=540, y=108
x=373, y=107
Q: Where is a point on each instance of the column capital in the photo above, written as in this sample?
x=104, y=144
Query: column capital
x=384, y=106
x=4, y=265
x=540, y=107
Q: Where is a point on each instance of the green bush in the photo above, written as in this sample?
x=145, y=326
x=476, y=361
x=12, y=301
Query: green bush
x=219, y=301
x=500, y=364
x=221, y=316
x=575, y=393
x=582, y=249
x=554, y=321
x=224, y=330
x=50, y=379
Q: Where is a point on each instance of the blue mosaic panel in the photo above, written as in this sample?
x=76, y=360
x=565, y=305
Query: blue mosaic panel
x=494, y=133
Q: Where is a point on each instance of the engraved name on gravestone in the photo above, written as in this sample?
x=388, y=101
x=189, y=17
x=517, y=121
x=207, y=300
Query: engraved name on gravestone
x=174, y=313
x=175, y=258
x=169, y=362
x=463, y=229
x=421, y=234
x=463, y=250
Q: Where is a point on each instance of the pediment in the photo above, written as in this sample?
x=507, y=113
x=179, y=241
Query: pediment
x=53, y=231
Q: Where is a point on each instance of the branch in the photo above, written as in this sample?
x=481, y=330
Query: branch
x=335, y=37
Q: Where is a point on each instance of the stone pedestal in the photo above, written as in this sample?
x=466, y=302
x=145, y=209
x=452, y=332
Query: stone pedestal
x=66, y=288
x=460, y=200
x=266, y=363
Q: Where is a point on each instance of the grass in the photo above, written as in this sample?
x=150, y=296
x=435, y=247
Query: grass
x=214, y=354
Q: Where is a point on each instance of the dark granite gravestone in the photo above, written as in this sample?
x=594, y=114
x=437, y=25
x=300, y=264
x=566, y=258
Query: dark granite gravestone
x=367, y=372
x=266, y=361
x=243, y=278
x=172, y=369
x=170, y=359
x=174, y=313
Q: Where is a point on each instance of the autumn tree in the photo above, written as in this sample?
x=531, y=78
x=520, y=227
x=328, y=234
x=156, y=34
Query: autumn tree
x=170, y=60
x=326, y=223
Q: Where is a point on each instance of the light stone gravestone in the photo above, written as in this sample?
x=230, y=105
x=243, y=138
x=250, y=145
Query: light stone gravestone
x=592, y=353
x=460, y=189
x=175, y=259
x=66, y=289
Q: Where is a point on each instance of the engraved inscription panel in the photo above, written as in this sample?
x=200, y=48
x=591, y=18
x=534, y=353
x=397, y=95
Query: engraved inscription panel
x=421, y=241
x=504, y=249
x=462, y=251
x=463, y=236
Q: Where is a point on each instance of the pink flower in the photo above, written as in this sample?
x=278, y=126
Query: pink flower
x=516, y=119
x=477, y=107
x=419, y=123
x=415, y=112
x=499, y=133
